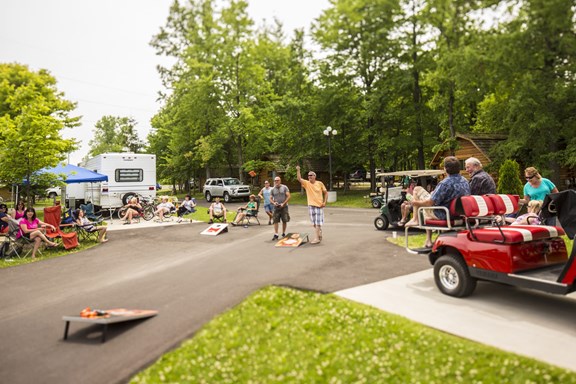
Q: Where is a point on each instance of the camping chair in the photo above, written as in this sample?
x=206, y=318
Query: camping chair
x=52, y=216
x=9, y=242
x=86, y=232
x=88, y=209
x=254, y=214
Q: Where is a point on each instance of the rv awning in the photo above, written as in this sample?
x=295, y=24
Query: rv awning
x=76, y=174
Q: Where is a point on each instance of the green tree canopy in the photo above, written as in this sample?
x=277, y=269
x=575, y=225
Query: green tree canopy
x=33, y=114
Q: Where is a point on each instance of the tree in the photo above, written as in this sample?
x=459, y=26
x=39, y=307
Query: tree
x=356, y=38
x=115, y=134
x=33, y=114
x=533, y=96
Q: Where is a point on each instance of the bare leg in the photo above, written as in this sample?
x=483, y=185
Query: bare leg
x=102, y=232
x=39, y=235
x=428, y=243
x=37, y=242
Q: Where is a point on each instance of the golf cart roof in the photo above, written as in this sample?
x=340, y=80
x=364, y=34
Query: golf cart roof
x=416, y=173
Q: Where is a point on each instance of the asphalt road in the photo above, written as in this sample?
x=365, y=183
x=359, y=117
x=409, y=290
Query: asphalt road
x=189, y=278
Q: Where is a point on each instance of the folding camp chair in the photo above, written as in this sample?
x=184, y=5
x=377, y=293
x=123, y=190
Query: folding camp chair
x=52, y=216
x=88, y=209
x=253, y=215
x=10, y=245
x=85, y=232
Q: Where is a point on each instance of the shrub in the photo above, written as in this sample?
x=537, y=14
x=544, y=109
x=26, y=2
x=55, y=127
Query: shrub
x=509, y=178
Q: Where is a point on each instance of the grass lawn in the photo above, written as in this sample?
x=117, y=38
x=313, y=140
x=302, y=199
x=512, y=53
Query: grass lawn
x=48, y=254
x=281, y=335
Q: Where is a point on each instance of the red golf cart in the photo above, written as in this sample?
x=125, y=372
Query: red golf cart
x=476, y=244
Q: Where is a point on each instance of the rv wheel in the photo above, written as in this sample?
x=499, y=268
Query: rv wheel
x=126, y=198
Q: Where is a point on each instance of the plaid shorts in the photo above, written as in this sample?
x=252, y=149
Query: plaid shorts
x=316, y=215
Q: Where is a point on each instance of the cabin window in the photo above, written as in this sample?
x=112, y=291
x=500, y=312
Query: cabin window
x=129, y=175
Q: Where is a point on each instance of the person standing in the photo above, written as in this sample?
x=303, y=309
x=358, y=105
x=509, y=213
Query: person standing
x=481, y=183
x=279, y=197
x=317, y=196
x=536, y=188
x=265, y=195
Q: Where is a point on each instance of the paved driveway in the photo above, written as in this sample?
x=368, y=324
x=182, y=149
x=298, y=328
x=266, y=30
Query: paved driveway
x=187, y=277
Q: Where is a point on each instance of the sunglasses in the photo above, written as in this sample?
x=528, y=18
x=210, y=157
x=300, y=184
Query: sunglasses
x=530, y=177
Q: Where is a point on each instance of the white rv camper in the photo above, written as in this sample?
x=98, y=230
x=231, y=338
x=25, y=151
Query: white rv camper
x=128, y=174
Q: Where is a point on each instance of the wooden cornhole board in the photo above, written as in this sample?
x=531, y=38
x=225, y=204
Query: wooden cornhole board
x=292, y=240
x=215, y=229
x=118, y=315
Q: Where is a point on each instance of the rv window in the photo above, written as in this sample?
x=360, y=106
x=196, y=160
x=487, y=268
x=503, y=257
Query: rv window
x=123, y=175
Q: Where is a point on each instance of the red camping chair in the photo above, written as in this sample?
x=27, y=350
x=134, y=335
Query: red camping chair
x=52, y=216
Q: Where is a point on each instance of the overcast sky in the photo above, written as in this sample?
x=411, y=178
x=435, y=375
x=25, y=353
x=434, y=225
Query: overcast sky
x=99, y=51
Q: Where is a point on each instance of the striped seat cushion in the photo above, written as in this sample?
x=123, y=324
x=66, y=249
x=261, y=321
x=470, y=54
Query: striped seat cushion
x=514, y=234
x=504, y=204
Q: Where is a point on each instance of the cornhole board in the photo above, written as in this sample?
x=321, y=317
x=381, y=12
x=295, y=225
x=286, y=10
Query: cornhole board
x=292, y=240
x=215, y=229
x=118, y=315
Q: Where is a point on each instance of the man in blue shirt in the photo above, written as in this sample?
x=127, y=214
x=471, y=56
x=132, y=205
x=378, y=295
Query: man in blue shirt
x=447, y=190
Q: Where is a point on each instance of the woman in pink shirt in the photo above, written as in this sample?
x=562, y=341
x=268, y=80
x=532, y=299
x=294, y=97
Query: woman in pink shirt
x=19, y=211
x=30, y=229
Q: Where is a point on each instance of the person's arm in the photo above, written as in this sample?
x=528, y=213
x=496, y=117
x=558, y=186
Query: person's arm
x=46, y=225
x=298, y=176
x=288, y=196
x=325, y=194
x=24, y=227
x=260, y=195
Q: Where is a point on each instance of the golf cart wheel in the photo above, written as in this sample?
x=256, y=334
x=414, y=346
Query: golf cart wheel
x=376, y=203
x=452, y=276
x=381, y=223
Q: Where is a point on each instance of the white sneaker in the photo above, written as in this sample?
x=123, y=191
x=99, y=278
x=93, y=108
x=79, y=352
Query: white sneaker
x=179, y=220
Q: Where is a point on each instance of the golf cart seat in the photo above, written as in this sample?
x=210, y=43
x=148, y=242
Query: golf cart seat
x=462, y=208
x=515, y=234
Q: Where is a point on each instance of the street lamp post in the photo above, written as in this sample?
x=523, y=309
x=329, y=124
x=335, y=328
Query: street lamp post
x=329, y=132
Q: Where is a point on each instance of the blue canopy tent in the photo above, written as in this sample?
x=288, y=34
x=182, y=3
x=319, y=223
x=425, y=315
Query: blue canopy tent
x=76, y=174
x=73, y=174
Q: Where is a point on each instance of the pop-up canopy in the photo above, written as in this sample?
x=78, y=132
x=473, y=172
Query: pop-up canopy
x=76, y=174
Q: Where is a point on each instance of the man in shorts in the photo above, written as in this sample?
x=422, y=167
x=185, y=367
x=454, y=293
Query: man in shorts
x=279, y=197
x=317, y=196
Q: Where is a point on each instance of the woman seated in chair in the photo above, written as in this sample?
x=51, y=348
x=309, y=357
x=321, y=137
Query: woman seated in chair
x=30, y=229
x=187, y=206
x=19, y=210
x=163, y=208
x=88, y=226
x=133, y=210
x=217, y=210
x=249, y=209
